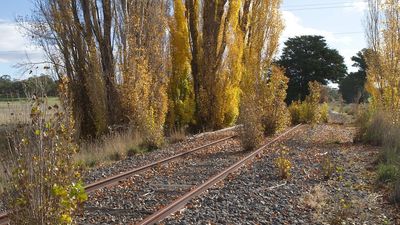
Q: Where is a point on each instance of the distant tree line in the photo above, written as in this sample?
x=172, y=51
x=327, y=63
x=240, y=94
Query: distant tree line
x=12, y=88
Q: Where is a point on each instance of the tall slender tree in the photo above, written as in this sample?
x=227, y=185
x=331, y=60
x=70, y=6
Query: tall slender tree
x=383, y=32
x=144, y=68
x=212, y=27
x=181, y=94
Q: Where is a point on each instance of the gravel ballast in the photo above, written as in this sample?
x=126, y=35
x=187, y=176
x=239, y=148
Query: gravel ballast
x=257, y=195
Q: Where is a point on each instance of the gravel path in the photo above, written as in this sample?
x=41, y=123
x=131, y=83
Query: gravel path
x=258, y=196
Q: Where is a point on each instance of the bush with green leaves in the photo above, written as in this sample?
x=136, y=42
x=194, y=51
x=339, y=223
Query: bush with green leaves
x=45, y=184
x=310, y=111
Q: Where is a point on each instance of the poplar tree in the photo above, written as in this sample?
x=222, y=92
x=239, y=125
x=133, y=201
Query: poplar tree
x=216, y=86
x=143, y=67
x=383, y=32
x=264, y=87
x=180, y=90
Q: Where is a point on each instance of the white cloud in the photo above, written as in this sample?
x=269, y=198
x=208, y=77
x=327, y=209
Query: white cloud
x=357, y=5
x=14, y=47
x=293, y=27
x=344, y=44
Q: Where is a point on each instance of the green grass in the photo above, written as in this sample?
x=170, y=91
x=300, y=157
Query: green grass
x=387, y=172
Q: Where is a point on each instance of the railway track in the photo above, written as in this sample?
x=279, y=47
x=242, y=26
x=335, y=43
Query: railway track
x=113, y=180
x=146, y=199
x=156, y=184
x=183, y=200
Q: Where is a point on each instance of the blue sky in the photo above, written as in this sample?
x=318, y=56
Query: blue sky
x=340, y=21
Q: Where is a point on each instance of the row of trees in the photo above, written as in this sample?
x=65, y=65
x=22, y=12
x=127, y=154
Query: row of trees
x=156, y=64
x=10, y=88
x=174, y=63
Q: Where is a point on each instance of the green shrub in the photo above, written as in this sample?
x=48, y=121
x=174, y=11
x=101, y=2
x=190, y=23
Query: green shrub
x=387, y=172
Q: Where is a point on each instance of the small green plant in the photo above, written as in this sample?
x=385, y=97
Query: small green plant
x=283, y=165
x=387, y=172
x=328, y=167
x=342, y=212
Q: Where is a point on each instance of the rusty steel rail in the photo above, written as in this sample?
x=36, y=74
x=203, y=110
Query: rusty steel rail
x=4, y=218
x=182, y=201
x=113, y=180
x=119, y=177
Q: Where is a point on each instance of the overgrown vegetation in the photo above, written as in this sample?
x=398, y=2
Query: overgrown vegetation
x=262, y=107
x=109, y=148
x=44, y=185
x=310, y=110
x=375, y=127
x=380, y=123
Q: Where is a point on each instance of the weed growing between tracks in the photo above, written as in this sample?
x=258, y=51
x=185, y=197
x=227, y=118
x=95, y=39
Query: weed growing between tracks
x=283, y=164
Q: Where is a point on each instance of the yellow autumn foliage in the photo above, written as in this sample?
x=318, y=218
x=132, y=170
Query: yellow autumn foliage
x=383, y=80
x=144, y=77
x=275, y=114
x=310, y=111
x=263, y=109
x=180, y=89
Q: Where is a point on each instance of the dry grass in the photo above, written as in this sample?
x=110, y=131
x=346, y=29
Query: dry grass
x=18, y=111
x=377, y=128
x=177, y=135
x=110, y=148
x=316, y=199
x=2, y=179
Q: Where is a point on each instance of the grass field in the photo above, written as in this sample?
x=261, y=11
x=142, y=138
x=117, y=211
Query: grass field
x=13, y=111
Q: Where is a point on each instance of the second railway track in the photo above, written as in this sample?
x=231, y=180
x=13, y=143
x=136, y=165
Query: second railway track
x=117, y=178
